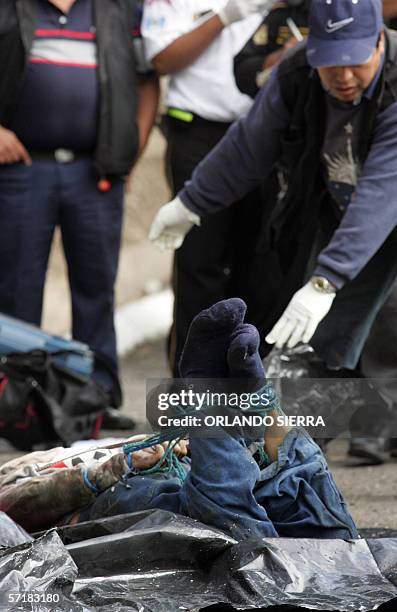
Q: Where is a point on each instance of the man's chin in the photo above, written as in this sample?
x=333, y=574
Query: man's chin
x=347, y=95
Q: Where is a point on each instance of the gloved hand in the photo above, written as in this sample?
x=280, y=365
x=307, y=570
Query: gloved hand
x=300, y=319
x=235, y=10
x=171, y=224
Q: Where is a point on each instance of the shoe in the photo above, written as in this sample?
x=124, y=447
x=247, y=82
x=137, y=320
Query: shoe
x=370, y=450
x=114, y=419
x=393, y=447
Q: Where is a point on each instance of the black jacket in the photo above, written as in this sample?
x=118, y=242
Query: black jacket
x=271, y=36
x=299, y=161
x=291, y=222
x=117, y=137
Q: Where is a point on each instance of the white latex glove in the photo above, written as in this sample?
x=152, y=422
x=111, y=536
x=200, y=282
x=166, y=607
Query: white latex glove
x=300, y=319
x=235, y=10
x=171, y=224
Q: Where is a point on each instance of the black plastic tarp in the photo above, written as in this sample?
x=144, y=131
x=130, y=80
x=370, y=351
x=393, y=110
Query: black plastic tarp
x=156, y=561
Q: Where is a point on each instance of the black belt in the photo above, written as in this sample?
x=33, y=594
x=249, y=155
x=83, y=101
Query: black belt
x=67, y=156
x=61, y=156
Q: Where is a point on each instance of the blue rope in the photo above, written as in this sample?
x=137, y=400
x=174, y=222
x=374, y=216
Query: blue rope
x=168, y=463
x=88, y=482
x=264, y=460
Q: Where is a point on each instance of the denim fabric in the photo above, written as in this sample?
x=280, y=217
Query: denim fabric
x=33, y=200
x=295, y=496
x=300, y=494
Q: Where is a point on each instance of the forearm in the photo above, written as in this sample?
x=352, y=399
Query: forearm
x=187, y=48
x=148, y=101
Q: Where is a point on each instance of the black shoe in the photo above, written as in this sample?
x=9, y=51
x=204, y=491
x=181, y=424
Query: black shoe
x=114, y=419
x=370, y=450
x=393, y=447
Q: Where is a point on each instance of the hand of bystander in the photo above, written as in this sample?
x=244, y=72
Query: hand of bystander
x=11, y=149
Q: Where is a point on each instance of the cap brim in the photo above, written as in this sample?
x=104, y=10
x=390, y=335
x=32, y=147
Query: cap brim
x=323, y=53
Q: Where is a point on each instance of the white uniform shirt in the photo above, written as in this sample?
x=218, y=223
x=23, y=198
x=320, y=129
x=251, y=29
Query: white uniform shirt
x=207, y=87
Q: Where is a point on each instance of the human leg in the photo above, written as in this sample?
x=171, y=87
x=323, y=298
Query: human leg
x=219, y=490
x=300, y=494
x=340, y=341
x=28, y=211
x=91, y=229
x=296, y=489
x=201, y=268
x=379, y=362
x=340, y=337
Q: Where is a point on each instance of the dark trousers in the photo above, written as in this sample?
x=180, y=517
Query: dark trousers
x=340, y=338
x=213, y=262
x=358, y=334
x=33, y=201
x=379, y=357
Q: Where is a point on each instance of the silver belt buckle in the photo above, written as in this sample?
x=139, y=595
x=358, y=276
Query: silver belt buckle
x=63, y=156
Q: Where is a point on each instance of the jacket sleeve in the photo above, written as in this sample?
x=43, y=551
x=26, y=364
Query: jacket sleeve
x=143, y=67
x=243, y=158
x=372, y=214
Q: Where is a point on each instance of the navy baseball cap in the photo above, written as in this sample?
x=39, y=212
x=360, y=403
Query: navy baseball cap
x=343, y=32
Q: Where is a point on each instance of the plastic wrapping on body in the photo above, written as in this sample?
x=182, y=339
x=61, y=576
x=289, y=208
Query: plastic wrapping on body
x=156, y=561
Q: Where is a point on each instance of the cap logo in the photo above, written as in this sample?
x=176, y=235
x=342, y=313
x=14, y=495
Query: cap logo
x=332, y=26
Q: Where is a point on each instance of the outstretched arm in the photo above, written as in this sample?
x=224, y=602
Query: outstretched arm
x=243, y=158
x=372, y=214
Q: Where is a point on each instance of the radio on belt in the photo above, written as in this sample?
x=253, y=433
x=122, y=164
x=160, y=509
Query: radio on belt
x=104, y=185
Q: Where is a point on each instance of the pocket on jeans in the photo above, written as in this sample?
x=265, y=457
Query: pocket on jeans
x=13, y=173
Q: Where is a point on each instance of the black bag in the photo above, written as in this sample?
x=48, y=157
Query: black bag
x=42, y=402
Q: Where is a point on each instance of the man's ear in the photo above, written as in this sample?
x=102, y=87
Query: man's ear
x=381, y=43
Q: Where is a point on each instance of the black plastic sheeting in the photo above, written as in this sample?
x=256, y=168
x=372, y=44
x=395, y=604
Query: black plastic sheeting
x=157, y=561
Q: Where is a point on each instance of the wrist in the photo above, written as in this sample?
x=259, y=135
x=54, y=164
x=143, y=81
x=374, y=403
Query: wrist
x=223, y=17
x=220, y=19
x=187, y=213
x=321, y=284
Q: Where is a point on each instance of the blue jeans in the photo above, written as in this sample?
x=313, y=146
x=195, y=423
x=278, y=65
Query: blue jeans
x=295, y=496
x=33, y=200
